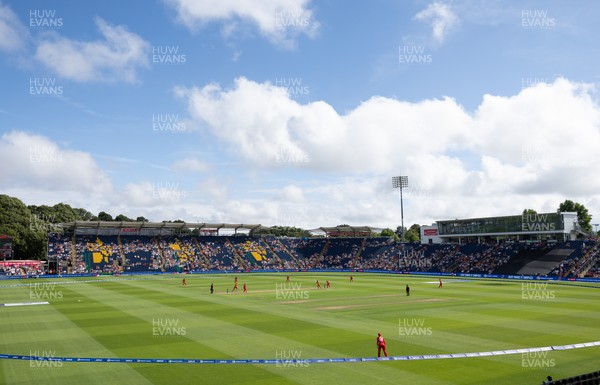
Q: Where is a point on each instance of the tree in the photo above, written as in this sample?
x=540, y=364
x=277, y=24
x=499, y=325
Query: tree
x=65, y=213
x=102, y=216
x=583, y=217
x=122, y=218
x=284, y=231
x=141, y=219
x=389, y=233
x=84, y=215
x=43, y=213
x=413, y=234
x=28, y=231
x=529, y=211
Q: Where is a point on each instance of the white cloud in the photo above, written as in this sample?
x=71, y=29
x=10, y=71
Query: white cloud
x=441, y=18
x=292, y=193
x=534, y=149
x=36, y=162
x=214, y=189
x=13, y=34
x=117, y=57
x=280, y=21
x=268, y=109
x=263, y=125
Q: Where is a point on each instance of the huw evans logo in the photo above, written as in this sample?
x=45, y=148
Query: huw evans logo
x=293, y=86
x=291, y=155
x=417, y=191
x=44, y=86
x=167, y=123
x=43, y=223
x=536, y=291
x=44, y=359
x=284, y=19
x=44, y=19
x=411, y=327
x=290, y=358
x=45, y=154
x=537, y=360
x=168, y=54
x=413, y=260
x=532, y=82
x=292, y=218
x=537, y=222
x=168, y=191
x=167, y=327
x=413, y=54
x=534, y=154
x=290, y=291
x=44, y=291
x=537, y=18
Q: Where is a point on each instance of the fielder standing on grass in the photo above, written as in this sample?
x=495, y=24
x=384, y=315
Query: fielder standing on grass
x=381, y=345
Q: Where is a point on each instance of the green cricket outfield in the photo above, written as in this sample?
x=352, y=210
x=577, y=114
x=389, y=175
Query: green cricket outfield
x=157, y=317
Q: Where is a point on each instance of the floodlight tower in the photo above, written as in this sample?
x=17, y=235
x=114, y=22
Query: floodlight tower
x=400, y=182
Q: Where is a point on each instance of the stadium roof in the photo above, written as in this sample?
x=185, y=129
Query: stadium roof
x=159, y=225
x=347, y=230
x=331, y=231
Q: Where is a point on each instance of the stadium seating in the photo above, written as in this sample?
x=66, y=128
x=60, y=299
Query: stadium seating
x=101, y=253
x=141, y=253
x=136, y=253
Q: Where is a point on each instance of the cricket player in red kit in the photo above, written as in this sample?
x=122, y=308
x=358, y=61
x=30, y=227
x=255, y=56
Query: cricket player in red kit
x=441, y=284
x=381, y=345
x=245, y=288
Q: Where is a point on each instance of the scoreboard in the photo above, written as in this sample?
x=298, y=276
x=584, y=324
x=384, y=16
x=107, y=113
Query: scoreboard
x=6, y=250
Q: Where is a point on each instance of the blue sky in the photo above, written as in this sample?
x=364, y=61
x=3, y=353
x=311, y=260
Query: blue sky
x=296, y=112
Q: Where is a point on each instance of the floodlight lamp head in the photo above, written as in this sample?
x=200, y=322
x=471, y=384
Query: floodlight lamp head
x=399, y=181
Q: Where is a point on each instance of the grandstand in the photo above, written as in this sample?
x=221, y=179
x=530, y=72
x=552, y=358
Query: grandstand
x=129, y=247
